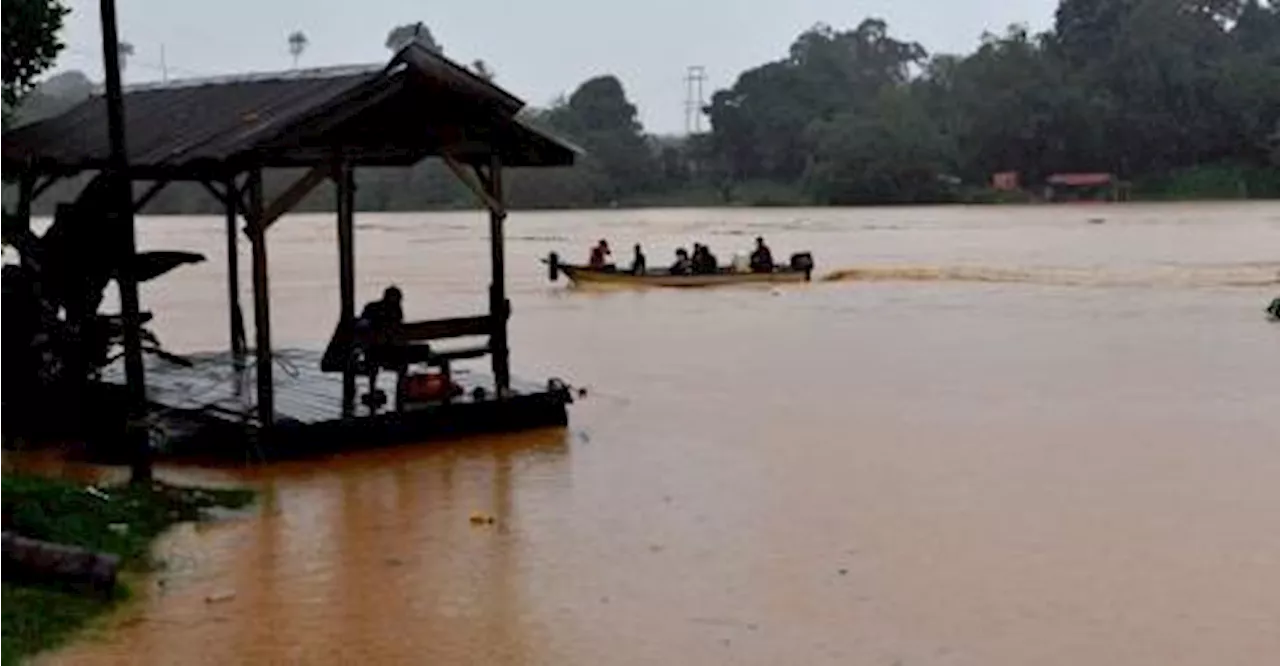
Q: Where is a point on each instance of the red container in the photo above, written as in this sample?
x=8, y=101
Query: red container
x=428, y=387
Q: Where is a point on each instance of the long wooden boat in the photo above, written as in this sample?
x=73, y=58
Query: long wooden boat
x=580, y=274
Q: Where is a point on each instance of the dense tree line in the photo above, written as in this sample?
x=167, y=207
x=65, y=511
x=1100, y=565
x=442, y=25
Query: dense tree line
x=1181, y=97
x=1139, y=88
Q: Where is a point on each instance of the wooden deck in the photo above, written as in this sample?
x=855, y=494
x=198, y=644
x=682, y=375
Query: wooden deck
x=213, y=406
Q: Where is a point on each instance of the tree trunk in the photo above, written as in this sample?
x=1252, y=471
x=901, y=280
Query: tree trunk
x=33, y=561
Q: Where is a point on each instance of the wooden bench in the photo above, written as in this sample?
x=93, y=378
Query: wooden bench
x=410, y=347
x=419, y=334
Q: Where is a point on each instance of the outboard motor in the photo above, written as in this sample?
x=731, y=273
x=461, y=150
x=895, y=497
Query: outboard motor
x=803, y=261
x=553, y=266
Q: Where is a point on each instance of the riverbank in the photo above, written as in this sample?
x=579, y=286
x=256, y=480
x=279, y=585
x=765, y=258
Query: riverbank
x=428, y=187
x=122, y=520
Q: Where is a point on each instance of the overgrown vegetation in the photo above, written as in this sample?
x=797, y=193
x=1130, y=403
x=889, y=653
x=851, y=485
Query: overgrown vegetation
x=121, y=520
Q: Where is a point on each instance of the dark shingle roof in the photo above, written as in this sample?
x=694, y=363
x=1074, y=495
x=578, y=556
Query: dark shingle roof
x=420, y=104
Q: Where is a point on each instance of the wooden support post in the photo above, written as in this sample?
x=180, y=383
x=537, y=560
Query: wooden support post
x=261, y=302
x=499, y=307
x=344, y=178
x=120, y=217
x=235, y=319
x=26, y=193
x=22, y=212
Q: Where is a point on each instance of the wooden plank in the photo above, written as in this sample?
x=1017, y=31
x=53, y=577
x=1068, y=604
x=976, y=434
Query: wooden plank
x=494, y=204
x=439, y=329
x=309, y=396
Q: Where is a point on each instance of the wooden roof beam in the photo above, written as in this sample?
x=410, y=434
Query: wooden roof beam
x=488, y=200
x=291, y=196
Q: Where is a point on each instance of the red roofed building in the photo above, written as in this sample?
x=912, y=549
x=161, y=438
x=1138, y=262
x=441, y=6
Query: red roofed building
x=1081, y=179
x=1084, y=187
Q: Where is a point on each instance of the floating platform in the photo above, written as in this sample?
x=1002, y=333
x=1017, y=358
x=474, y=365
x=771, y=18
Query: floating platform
x=210, y=409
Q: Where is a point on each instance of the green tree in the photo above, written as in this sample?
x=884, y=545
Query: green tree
x=890, y=152
x=600, y=117
x=758, y=125
x=1010, y=106
x=297, y=45
x=52, y=96
x=31, y=43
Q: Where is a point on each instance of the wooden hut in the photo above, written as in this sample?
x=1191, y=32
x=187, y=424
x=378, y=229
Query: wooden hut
x=223, y=132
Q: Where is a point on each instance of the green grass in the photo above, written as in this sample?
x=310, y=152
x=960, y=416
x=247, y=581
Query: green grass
x=121, y=520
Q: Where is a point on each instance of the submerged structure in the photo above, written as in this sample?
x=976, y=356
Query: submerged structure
x=223, y=133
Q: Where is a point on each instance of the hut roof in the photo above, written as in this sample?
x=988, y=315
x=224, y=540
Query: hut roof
x=420, y=104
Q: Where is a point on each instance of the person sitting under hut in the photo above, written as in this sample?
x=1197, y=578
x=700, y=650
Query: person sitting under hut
x=377, y=333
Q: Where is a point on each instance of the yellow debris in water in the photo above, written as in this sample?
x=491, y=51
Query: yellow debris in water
x=481, y=518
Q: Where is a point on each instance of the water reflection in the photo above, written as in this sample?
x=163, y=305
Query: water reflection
x=369, y=557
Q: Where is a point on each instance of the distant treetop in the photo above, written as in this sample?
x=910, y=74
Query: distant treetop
x=402, y=35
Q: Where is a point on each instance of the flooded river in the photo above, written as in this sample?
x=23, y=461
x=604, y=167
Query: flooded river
x=997, y=435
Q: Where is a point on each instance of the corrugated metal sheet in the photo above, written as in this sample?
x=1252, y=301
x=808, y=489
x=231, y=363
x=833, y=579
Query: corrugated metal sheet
x=204, y=126
x=175, y=126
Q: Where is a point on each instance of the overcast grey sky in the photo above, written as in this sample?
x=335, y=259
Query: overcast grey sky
x=539, y=48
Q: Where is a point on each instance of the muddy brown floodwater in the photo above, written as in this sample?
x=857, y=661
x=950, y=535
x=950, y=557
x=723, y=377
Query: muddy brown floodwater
x=996, y=435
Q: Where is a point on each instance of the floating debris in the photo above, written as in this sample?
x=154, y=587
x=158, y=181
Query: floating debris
x=481, y=518
x=219, y=597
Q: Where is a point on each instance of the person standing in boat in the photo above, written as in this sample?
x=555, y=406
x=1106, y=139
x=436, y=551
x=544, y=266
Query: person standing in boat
x=638, y=262
x=761, y=257
x=600, y=256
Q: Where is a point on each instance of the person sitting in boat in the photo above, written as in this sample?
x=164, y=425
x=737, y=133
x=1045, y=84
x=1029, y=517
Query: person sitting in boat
x=704, y=262
x=638, y=262
x=761, y=258
x=377, y=331
x=682, y=266
x=600, y=256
